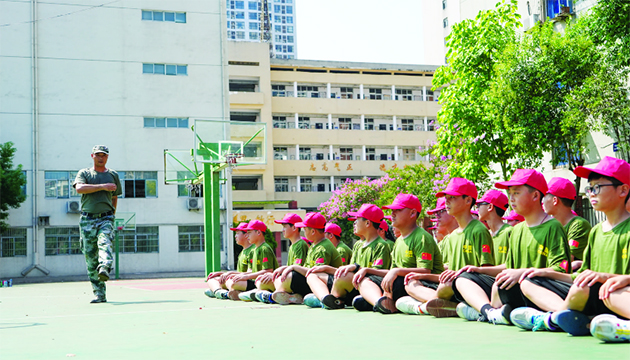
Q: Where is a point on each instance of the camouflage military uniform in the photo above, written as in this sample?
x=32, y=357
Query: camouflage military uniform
x=97, y=224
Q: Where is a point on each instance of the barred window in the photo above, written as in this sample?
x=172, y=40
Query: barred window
x=63, y=241
x=13, y=242
x=191, y=238
x=58, y=184
x=144, y=239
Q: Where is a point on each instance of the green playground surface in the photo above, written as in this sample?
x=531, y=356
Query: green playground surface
x=173, y=319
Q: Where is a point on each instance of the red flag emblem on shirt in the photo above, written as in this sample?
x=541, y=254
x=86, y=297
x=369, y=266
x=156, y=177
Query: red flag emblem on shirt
x=298, y=261
x=319, y=261
x=265, y=259
x=251, y=261
x=427, y=256
x=485, y=248
x=565, y=265
x=343, y=259
x=574, y=243
x=378, y=262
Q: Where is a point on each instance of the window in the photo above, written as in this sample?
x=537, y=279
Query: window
x=369, y=124
x=162, y=122
x=253, y=5
x=254, y=16
x=289, y=29
x=376, y=94
x=345, y=123
x=138, y=184
x=445, y=23
x=280, y=122
x=282, y=184
x=346, y=153
x=305, y=153
x=557, y=7
x=306, y=185
x=280, y=153
x=164, y=69
x=278, y=90
x=443, y=4
x=191, y=238
x=407, y=124
x=63, y=241
x=246, y=183
x=177, y=17
x=240, y=35
x=13, y=242
x=370, y=154
x=239, y=4
x=239, y=15
x=252, y=150
x=189, y=190
x=23, y=187
x=346, y=92
x=144, y=239
x=57, y=184
x=304, y=122
x=404, y=94
x=254, y=26
x=240, y=25
x=308, y=91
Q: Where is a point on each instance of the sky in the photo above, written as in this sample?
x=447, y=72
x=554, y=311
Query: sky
x=385, y=31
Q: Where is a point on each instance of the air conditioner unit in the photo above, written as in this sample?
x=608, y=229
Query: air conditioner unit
x=73, y=207
x=194, y=203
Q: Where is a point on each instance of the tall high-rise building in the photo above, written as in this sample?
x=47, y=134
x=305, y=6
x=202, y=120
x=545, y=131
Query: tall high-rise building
x=271, y=21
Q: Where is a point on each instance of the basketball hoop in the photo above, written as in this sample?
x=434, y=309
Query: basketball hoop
x=231, y=159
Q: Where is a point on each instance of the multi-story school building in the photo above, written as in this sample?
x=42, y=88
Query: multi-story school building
x=136, y=83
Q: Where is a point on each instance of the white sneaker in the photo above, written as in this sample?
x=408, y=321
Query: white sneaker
x=497, y=317
x=423, y=309
x=526, y=318
x=467, y=312
x=610, y=328
x=409, y=305
x=247, y=295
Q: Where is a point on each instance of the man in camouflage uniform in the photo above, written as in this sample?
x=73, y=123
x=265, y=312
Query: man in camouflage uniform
x=99, y=188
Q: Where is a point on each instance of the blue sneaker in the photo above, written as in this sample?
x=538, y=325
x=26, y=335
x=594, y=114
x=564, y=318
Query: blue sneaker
x=312, y=301
x=264, y=296
x=221, y=294
x=574, y=322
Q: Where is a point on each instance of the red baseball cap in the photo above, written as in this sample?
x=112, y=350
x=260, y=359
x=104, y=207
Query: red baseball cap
x=384, y=225
x=313, y=220
x=496, y=198
x=241, y=227
x=459, y=187
x=432, y=228
x=474, y=212
x=562, y=188
x=514, y=216
x=370, y=212
x=257, y=225
x=405, y=201
x=388, y=217
x=529, y=177
x=440, y=205
x=333, y=229
x=608, y=166
x=289, y=218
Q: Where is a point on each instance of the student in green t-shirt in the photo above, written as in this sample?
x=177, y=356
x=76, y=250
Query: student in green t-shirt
x=469, y=244
x=296, y=255
x=557, y=203
x=373, y=252
x=216, y=280
x=332, y=232
x=414, y=251
x=491, y=208
x=386, y=234
x=291, y=285
x=569, y=300
x=492, y=292
x=263, y=261
x=444, y=225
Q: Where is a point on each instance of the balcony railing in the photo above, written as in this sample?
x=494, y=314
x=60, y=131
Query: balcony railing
x=366, y=96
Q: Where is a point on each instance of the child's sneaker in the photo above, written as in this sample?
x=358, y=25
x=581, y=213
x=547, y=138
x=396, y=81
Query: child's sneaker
x=360, y=304
x=209, y=293
x=264, y=296
x=385, y=305
x=526, y=318
x=499, y=316
x=312, y=301
x=573, y=322
x=247, y=295
x=284, y=298
x=441, y=308
x=610, y=328
x=331, y=302
x=409, y=305
x=221, y=294
x=467, y=312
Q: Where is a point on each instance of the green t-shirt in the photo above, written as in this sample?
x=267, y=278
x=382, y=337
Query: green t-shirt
x=473, y=246
x=417, y=250
x=244, y=259
x=540, y=246
x=607, y=252
x=323, y=253
x=264, y=258
x=577, y=230
x=100, y=201
x=376, y=254
x=345, y=252
x=297, y=253
x=502, y=243
x=445, y=249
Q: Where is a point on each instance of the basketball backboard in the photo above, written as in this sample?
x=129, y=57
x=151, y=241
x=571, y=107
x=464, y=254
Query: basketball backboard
x=216, y=140
x=180, y=168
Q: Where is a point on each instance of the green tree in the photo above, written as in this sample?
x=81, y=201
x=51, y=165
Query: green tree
x=472, y=126
x=11, y=182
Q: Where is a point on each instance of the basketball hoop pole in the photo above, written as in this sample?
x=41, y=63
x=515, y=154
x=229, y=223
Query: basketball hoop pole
x=212, y=231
